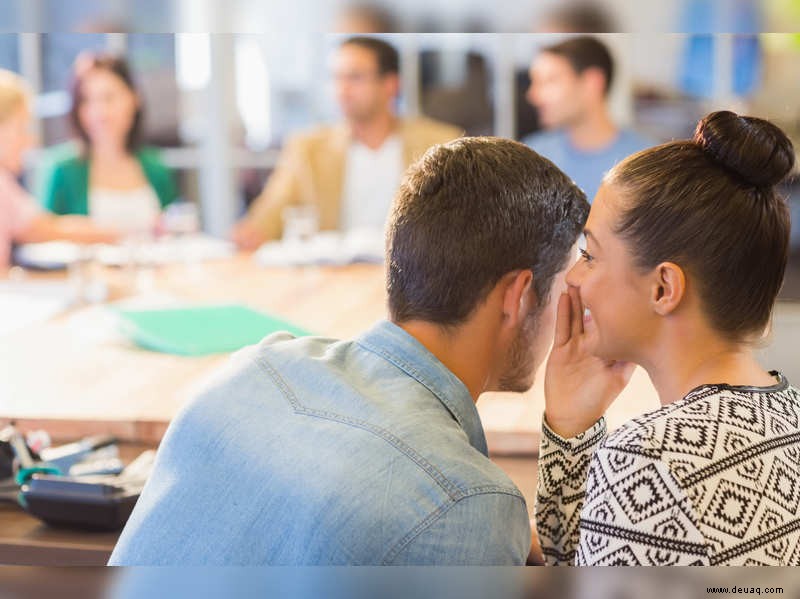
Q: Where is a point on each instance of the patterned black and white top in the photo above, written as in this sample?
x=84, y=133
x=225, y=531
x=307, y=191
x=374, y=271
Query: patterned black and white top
x=711, y=479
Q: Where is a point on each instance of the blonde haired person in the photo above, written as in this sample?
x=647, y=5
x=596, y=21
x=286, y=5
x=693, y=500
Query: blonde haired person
x=21, y=220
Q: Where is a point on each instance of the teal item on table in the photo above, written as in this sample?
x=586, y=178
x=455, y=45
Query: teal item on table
x=201, y=330
x=23, y=474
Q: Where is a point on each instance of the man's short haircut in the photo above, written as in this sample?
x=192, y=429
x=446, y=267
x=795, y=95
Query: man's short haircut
x=466, y=214
x=386, y=55
x=585, y=52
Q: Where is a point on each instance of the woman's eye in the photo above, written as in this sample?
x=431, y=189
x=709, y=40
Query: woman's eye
x=586, y=256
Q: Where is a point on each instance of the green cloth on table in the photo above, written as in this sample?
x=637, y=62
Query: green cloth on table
x=201, y=330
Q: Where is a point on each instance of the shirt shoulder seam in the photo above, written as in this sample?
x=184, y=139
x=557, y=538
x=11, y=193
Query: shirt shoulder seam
x=453, y=491
x=438, y=513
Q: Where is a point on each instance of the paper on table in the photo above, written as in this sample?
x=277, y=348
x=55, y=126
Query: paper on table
x=25, y=302
x=60, y=254
x=192, y=248
x=328, y=247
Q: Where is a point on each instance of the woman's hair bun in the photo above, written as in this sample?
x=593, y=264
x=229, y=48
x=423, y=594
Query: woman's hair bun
x=754, y=150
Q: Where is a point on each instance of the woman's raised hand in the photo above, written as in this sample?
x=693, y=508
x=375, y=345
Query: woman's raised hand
x=578, y=386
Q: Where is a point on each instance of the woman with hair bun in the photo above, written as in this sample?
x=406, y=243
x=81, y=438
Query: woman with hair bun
x=686, y=247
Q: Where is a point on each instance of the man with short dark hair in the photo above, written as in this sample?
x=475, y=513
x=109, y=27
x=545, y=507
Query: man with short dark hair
x=371, y=450
x=347, y=171
x=570, y=83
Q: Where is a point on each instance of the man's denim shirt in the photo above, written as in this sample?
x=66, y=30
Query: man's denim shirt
x=315, y=451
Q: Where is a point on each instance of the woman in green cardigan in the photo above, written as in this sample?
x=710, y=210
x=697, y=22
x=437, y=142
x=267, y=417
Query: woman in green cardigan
x=109, y=176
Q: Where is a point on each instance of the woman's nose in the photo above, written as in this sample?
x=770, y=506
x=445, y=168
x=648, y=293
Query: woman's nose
x=573, y=275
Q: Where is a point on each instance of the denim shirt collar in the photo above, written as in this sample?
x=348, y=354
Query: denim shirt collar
x=393, y=344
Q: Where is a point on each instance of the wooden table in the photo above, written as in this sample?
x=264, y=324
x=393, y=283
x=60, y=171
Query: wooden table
x=25, y=541
x=75, y=375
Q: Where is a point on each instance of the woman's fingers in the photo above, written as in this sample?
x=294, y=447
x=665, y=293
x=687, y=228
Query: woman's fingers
x=569, y=318
x=563, y=320
x=576, y=323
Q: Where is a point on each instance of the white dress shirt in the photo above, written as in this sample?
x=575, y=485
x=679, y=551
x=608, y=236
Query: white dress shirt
x=371, y=180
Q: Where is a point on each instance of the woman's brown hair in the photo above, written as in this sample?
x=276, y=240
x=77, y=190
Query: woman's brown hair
x=710, y=205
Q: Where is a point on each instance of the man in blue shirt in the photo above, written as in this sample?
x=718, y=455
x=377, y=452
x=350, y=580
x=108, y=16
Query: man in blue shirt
x=370, y=450
x=570, y=82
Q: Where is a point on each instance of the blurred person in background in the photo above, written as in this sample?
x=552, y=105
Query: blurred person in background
x=567, y=17
x=365, y=18
x=21, y=220
x=570, y=83
x=109, y=175
x=578, y=17
x=348, y=171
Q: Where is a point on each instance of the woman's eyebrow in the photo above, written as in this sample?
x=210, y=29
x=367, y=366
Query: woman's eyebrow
x=587, y=233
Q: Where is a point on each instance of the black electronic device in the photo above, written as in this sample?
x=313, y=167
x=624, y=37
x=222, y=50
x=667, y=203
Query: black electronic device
x=64, y=501
x=87, y=502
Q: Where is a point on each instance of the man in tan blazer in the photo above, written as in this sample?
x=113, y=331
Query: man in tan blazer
x=313, y=167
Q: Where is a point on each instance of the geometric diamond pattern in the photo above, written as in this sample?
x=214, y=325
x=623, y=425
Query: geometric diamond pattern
x=734, y=441
x=782, y=486
x=751, y=469
x=624, y=556
x=549, y=523
x=778, y=427
x=782, y=405
x=672, y=528
x=595, y=544
x=662, y=557
x=643, y=494
x=769, y=520
x=732, y=508
x=795, y=556
x=620, y=462
x=700, y=409
x=778, y=549
x=754, y=562
x=747, y=415
x=711, y=479
x=691, y=436
x=792, y=455
x=596, y=482
x=553, y=472
x=601, y=512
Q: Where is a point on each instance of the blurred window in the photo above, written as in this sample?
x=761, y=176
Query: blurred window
x=9, y=51
x=59, y=51
x=152, y=60
x=456, y=88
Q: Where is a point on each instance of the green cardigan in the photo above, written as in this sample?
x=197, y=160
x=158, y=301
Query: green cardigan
x=64, y=186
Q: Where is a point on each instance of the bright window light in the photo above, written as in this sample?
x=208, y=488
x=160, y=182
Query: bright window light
x=192, y=60
x=252, y=92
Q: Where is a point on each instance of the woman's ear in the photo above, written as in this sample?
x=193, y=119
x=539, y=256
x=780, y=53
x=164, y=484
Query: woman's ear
x=516, y=299
x=669, y=288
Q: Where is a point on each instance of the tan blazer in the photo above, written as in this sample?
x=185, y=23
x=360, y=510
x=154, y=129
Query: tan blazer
x=312, y=165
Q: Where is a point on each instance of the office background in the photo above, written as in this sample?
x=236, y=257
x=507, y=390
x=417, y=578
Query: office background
x=220, y=105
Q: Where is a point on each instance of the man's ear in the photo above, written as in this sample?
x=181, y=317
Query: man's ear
x=594, y=78
x=392, y=83
x=668, y=288
x=516, y=297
